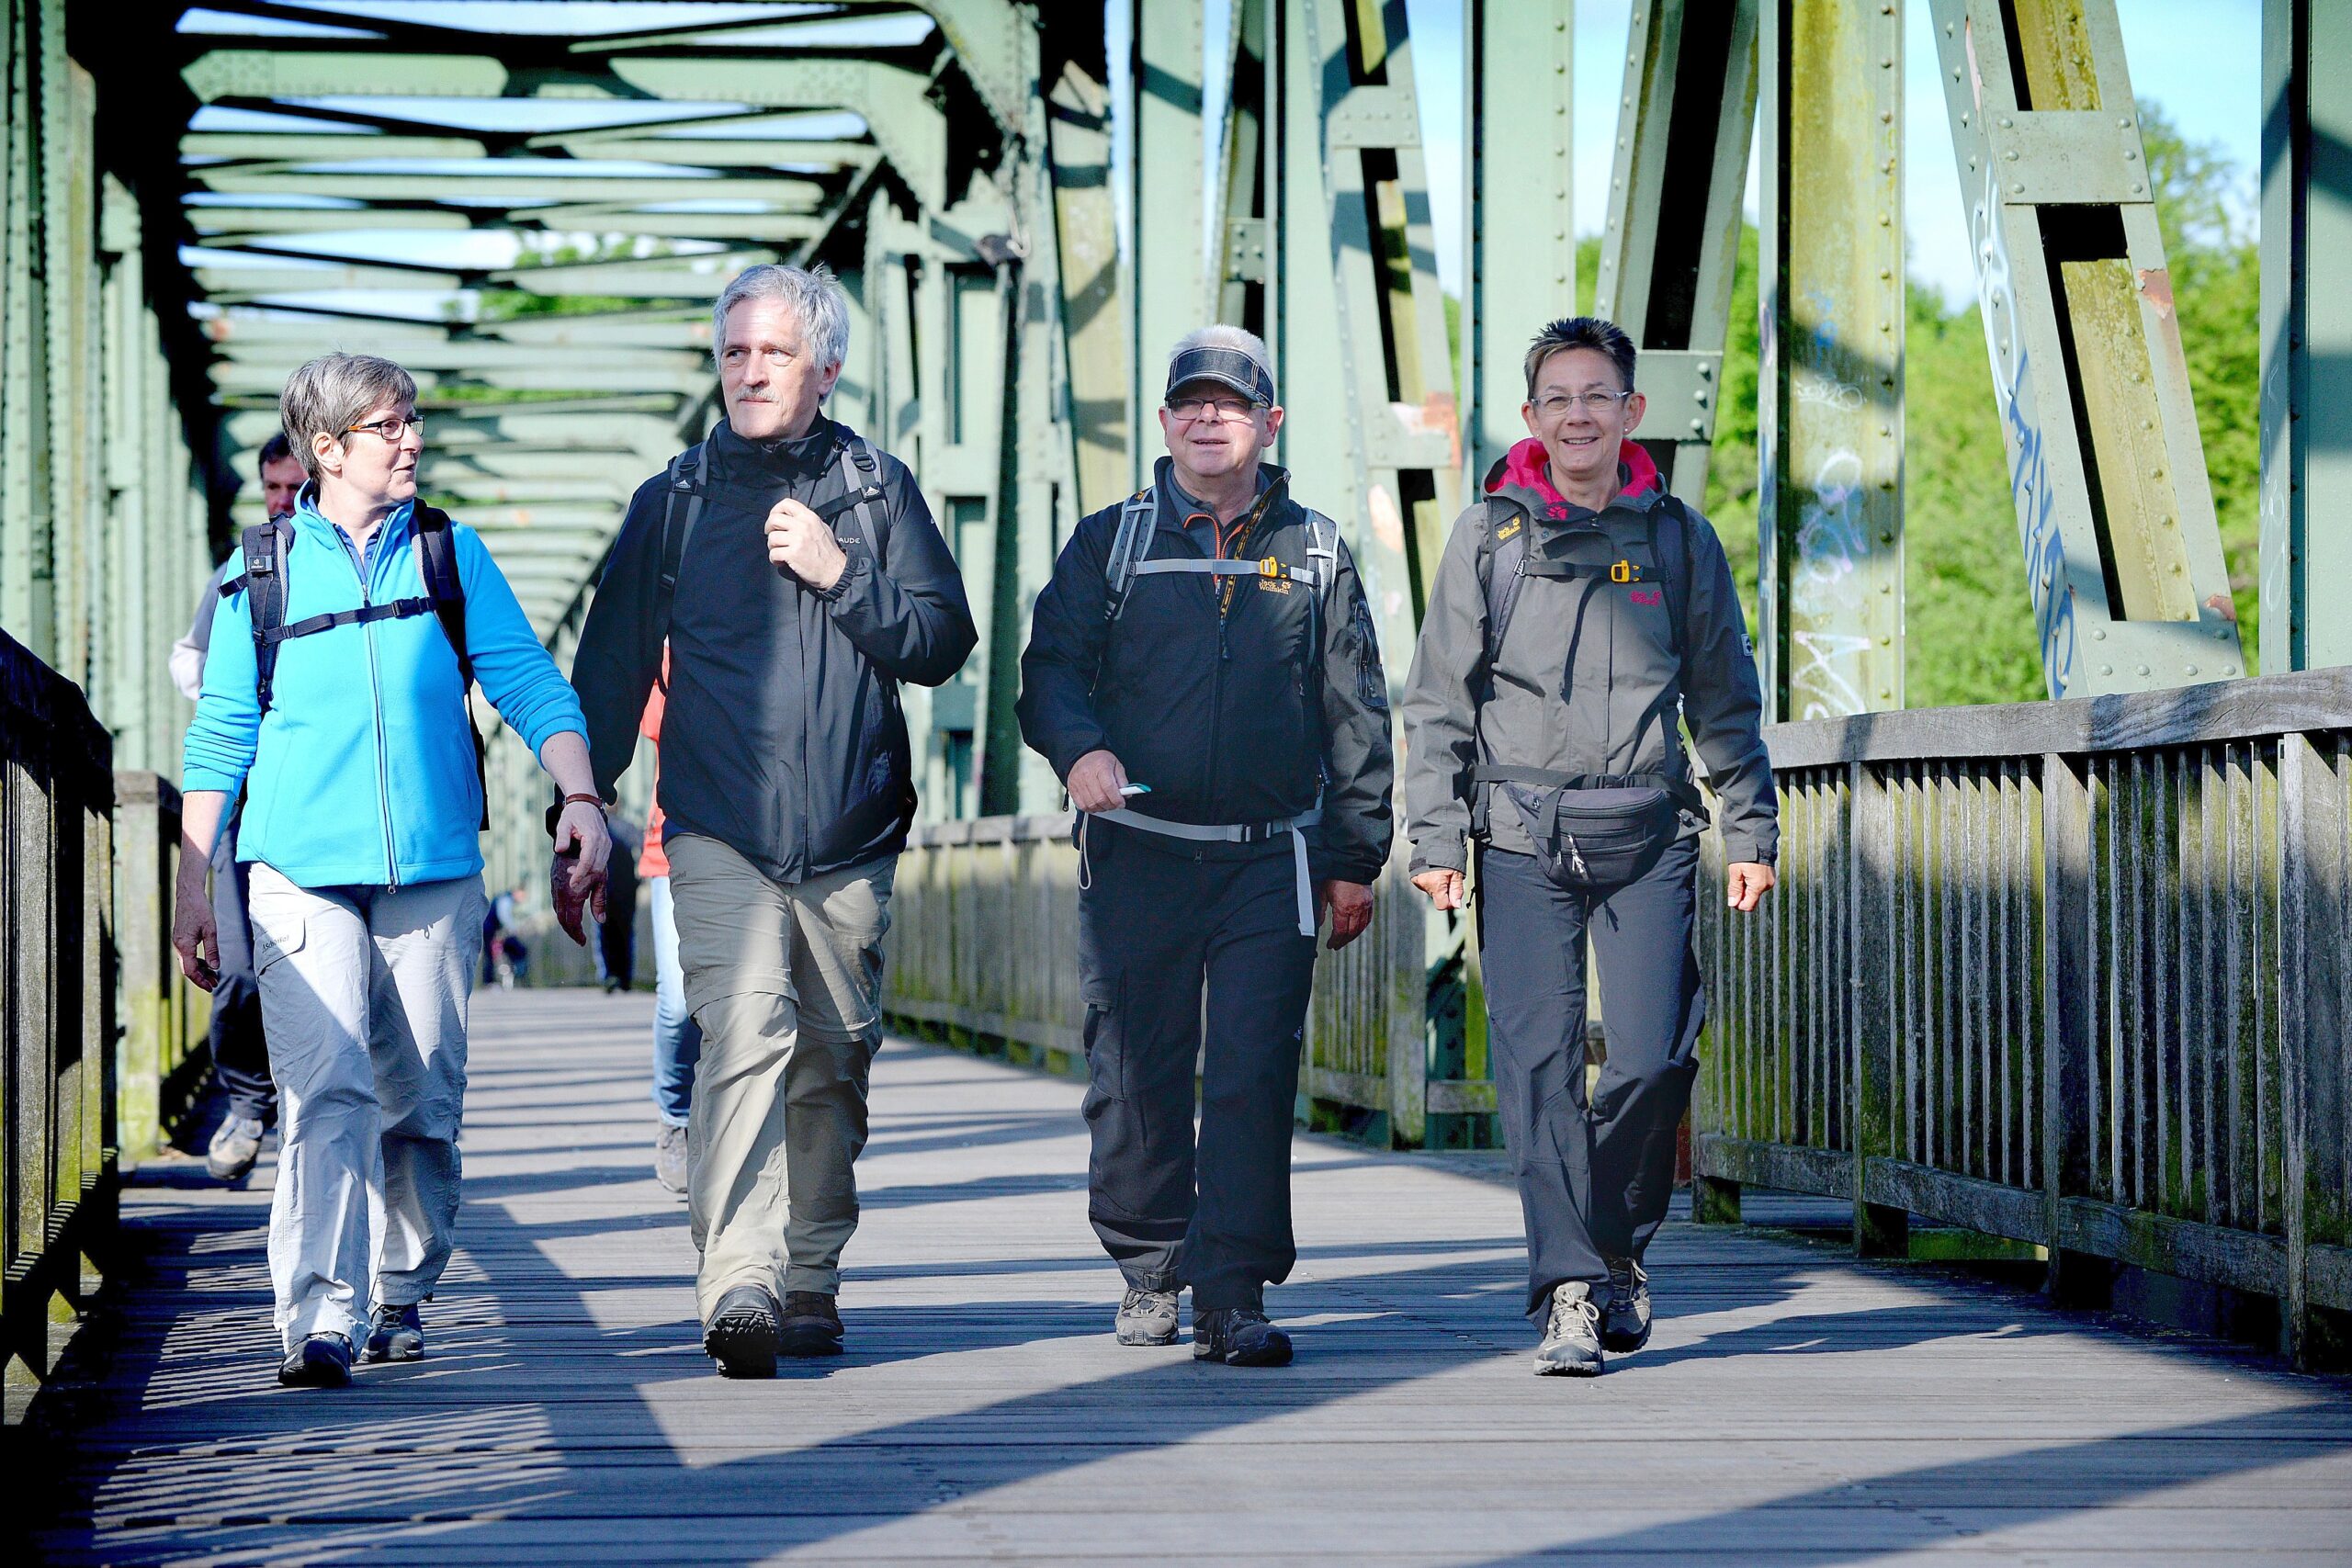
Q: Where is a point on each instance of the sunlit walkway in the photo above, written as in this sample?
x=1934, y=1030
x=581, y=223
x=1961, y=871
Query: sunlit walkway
x=1792, y=1408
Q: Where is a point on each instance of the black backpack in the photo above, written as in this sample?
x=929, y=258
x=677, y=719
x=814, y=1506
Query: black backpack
x=863, y=493
x=1506, y=557
x=264, y=582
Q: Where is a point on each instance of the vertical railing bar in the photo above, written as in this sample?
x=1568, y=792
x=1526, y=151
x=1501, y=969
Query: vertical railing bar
x=2231, y=1032
x=2203, y=1039
x=2007, y=831
x=1906, y=968
x=2118, y=1098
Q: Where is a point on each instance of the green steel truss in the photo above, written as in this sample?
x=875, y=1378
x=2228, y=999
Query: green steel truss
x=183, y=233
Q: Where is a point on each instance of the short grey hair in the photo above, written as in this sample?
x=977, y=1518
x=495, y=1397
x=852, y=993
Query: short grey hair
x=330, y=394
x=1239, y=339
x=814, y=294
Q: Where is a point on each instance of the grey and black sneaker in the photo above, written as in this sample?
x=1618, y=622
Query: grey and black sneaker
x=1147, y=1317
x=1239, y=1337
x=1571, y=1345
x=322, y=1360
x=395, y=1333
x=741, y=1334
x=1625, y=1315
x=811, y=1325
x=669, y=1158
x=233, y=1148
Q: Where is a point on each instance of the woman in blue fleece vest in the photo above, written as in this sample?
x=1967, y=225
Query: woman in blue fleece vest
x=361, y=820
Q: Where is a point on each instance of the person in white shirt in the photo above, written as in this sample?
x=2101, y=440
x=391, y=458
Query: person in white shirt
x=240, y=1058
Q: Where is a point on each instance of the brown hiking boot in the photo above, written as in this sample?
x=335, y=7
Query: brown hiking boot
x=811, y=1326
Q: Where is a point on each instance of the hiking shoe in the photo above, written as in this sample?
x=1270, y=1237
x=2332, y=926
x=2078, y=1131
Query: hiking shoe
x=1571, y=1345
x=323, y=1361
x=395, y=1333
x=1239, y=1337
x=741, y=1334
x=669, y=1158
x=234, y=1148
x=1625, y=1315
x=1147, y=1317
x=811, y=1326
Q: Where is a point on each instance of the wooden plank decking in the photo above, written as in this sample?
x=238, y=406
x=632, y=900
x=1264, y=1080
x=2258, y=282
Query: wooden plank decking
x=1793, y=1408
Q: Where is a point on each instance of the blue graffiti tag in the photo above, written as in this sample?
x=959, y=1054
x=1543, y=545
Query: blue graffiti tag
x=2030, y=486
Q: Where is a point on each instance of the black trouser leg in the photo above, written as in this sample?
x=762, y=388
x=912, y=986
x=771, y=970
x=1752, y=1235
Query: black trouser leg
x=1651, y=997
x=1259, y=971
x=240, y=1054
x=1140, y=965
x=1530, y=950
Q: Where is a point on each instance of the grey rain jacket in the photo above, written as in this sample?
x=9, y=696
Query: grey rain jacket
x=783, y=737
x=1238, y=716
x=1618, y=659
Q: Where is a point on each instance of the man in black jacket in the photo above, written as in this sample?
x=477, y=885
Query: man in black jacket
x=1203, y=674
x=798, y=578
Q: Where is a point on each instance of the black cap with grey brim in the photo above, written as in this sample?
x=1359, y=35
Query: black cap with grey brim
x=1227, y=367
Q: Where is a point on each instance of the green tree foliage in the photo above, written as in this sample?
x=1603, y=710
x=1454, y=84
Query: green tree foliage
x=508, y=304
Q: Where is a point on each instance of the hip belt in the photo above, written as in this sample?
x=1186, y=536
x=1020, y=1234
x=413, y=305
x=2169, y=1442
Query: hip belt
x=1686, y=794
x=1230, y=833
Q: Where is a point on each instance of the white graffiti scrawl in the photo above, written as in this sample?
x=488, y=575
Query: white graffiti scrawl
x=2029, y=486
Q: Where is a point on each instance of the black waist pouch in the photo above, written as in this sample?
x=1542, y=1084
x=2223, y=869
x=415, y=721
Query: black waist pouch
x=1592, y=839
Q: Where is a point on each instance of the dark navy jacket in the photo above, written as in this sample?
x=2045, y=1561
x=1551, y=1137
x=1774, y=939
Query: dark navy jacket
x=1238, y=714
x=783, y=737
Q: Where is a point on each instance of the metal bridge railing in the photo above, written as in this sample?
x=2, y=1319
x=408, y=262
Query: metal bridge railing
x=984, y=946
x=2078, y=973
x=97, y=1028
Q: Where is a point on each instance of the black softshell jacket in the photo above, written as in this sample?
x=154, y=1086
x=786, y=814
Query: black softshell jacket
x=1239, y=716
x=783, y=737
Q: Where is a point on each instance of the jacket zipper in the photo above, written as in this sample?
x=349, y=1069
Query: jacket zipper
x=376, y=697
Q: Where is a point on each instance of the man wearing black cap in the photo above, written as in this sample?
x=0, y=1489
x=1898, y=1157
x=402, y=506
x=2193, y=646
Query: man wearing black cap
x=1203, y=674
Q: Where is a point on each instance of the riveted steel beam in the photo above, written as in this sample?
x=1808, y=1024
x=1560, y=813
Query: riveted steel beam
x=2306, y=332
x=1829, y=506
x=1077, y=133
x=326, y=147
x=1368, y=375
x=891, y=94
x=502, y=182
x=1170, y=297
x=2122, y=551
x=1519, y=240
x=1244, y=275
x=219, y=222
x=1676, y=187
x=448, y=355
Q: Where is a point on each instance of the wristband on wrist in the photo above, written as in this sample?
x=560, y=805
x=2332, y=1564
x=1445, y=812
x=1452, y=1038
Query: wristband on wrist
x=555, y=812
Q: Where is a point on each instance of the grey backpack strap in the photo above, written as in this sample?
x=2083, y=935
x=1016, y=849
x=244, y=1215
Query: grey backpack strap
x=264, y=546
x=862, y=497
x=1129, y=544
x=1503, y=560
x=1675, y=562
x=676, y=531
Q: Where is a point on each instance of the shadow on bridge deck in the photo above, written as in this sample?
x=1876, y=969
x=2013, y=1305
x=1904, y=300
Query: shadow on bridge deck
x=1793, y=1407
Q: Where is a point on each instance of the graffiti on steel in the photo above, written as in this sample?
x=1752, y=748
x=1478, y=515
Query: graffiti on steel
x=2030, y=482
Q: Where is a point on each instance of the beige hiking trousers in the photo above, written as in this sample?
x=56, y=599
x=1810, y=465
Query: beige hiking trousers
x=786, y=984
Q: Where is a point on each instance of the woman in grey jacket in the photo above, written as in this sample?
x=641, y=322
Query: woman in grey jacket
x=1579, y=613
